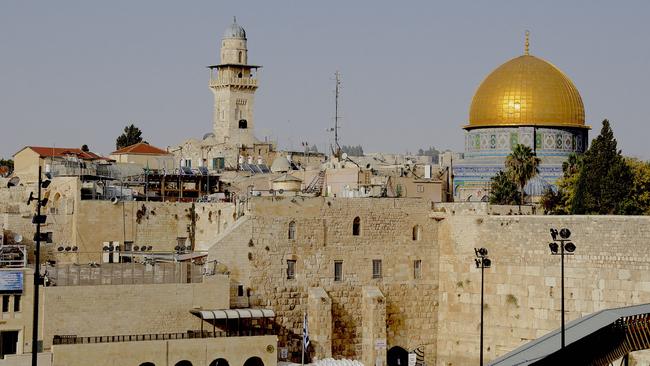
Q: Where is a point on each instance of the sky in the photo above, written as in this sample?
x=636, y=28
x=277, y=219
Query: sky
x=77, y=72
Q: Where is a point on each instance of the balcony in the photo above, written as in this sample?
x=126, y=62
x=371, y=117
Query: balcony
x=241, y=82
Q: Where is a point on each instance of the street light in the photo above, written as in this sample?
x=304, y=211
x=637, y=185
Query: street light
x=482, y=262
x=38, y=219
x=562, y=245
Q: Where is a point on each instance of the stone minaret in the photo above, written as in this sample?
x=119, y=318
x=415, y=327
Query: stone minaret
x=233, y=83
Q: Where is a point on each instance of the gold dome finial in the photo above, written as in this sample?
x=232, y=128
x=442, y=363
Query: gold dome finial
x=527, y=43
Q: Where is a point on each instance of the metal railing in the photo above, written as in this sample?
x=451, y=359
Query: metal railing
x=190, y=334
x=94, y=274
x=233, y=81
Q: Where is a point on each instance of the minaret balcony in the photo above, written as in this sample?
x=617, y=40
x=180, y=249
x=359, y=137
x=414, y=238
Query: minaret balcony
x=242, y=82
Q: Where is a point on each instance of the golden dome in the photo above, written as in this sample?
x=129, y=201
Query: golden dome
x=527, y=91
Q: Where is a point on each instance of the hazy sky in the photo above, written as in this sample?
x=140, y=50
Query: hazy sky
x=76, y=72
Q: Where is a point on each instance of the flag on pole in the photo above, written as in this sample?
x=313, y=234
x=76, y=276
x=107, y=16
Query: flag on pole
x=305, y=332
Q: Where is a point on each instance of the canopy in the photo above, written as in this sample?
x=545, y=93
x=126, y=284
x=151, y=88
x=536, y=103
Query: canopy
x=234, y=314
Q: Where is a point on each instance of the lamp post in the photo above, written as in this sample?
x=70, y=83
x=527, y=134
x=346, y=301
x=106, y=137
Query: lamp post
x=562, y=246
x=38, y=219
x=482, y=262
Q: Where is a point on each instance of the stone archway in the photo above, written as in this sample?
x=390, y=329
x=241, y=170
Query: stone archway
x=397, y=356
x=183, y=363
x=254, y=361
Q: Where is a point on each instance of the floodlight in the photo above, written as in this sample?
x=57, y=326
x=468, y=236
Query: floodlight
x=554, y=234
x=478, y=263
x=554, y=247
x=39, y=219
x=486, y=263
x=45, y=183
x=565, y=233
x=570, y=247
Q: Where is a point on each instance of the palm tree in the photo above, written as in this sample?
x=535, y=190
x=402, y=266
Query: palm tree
x=522, y=166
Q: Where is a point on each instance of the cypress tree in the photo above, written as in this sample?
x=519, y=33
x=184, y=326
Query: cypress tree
x=605, y=182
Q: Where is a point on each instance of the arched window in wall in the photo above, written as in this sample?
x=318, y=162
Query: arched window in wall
x=148, y=364
x=292, y=230
x=183, y=363
x=240, y=54
x=356, y=226
x=417, y=232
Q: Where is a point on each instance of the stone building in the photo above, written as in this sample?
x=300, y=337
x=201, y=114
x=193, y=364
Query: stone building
x=528, y=101
x=381, y=278
x=233, y=83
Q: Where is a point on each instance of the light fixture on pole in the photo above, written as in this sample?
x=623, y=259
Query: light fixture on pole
x=482, y=262
x=562, y=245
x=38, y=220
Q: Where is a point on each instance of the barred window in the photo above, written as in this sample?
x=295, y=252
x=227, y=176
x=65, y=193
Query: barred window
x=376, y=268
x=338, y=271
x=417, y=269
x=292, y=230
x=291, y=269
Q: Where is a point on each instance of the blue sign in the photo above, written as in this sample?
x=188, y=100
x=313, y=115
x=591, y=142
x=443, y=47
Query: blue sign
x=11, y=281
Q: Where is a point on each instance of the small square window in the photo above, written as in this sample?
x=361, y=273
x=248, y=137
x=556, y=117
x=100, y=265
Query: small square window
x=338, y=271
x=376, y=268
x=291, y=269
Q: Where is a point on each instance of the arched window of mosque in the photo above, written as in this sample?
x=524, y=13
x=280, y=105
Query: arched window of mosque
x=356, y=226
x=292, y=230
x=417, y=232
x=240, y=58
x=243, y=124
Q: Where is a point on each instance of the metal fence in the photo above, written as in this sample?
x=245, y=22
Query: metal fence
x=190, y=334
x=123, y=273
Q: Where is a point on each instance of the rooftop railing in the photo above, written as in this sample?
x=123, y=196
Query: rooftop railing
x=190, y=334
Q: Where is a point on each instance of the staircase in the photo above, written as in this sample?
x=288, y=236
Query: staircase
x=316, y=185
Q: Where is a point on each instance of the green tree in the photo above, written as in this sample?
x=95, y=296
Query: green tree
x=503, y=190
x=6, y=167
x=132, y=135
x=521, y=166
x=605, y=182
x=431, y=151
x=640, y=184
x=352, y=150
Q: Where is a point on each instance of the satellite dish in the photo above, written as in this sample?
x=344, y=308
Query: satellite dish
x=280, y=191
x=177, y=248
x=13, y=182
x=143, y=248
x=67, y=249
x=136, y=248
x=149, y=248
x=271, y=191
x=115, y=200
x=18, y=238
x=344, y=156
x=74, y=249
x=105, y=248
x=60, y=249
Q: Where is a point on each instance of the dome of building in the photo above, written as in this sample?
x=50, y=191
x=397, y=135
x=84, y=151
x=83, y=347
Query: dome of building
x=280, y=165
x=527, y=91
x=234, y=31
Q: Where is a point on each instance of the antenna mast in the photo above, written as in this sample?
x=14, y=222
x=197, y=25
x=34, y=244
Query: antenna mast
x=337, y=153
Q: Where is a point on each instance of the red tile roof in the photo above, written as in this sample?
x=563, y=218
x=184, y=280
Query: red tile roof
x=140, y=148
x=46, y=152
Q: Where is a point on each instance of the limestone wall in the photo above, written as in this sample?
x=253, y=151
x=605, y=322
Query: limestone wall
x=235, y=350
x=129, y=309
x=610, y=268
x=324, y=235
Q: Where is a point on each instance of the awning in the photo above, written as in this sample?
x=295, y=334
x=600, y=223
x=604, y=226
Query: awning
x=234, y=314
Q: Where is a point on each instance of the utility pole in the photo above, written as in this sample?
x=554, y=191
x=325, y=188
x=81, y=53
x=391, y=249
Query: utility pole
x=38, y=219
x=337, y=147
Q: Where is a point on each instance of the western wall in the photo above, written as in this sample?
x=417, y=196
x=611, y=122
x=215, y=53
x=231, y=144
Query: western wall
x=437, y=315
